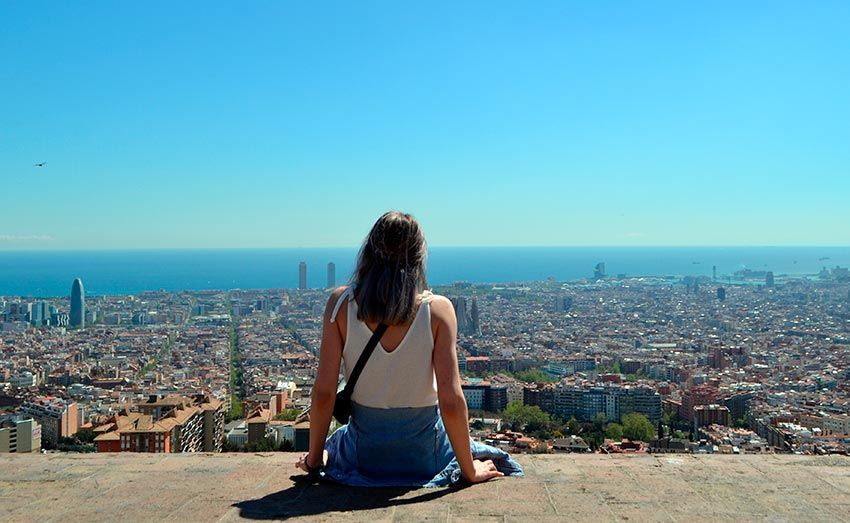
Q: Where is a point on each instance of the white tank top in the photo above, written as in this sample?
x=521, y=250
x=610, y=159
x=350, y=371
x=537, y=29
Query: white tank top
x=401, y=378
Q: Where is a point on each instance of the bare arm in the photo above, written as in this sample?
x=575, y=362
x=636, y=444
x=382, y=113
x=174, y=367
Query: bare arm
x=324, y=389
x=450, y=394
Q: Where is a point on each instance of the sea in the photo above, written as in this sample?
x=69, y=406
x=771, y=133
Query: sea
x=50, y=273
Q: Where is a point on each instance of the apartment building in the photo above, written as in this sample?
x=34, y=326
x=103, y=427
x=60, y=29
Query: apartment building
x=58, y=418
x=169, y=425
x=20, y=435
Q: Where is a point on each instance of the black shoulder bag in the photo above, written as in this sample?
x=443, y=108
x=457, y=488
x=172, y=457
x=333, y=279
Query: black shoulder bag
x=342, y=405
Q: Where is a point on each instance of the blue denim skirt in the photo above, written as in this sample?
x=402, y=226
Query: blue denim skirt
x=399, y=447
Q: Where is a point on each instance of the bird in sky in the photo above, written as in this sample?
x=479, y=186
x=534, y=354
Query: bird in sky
x=42, y=164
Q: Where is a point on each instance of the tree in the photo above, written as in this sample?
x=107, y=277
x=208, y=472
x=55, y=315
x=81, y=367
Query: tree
x=614, y=431
x=264, y=445
x=85, y=435
x=287, y=415
x=72, y=444
x=533, y=376
x=599, y=422
x=572, y=426
x=528, y=418
x=673, y=421
x=637, y=427
x=235, y=411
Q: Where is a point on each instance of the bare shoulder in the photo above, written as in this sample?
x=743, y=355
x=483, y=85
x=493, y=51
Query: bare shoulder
x=336, y=293
x=442, y=308
x=335, y=296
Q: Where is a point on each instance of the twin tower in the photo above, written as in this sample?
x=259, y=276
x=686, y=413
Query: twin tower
x=302, y=275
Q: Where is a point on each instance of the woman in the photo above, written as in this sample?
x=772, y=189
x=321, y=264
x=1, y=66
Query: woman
x=409, y=420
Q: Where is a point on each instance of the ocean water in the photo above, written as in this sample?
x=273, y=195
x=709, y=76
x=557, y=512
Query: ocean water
x=50, y=273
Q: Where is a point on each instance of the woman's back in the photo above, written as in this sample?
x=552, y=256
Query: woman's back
x=402, y=377
x=395, y=435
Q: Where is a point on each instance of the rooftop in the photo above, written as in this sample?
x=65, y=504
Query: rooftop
x=213, y=487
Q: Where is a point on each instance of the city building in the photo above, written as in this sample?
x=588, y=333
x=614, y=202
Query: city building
x=562, y=303
x=23, y=380
x=331, y=275
x=485, y=396
x=133, y=432
x=302, y=275
x=468, y=316
x=165, y=425
x=697, y=395
x=20, y=435
x=78, y=304
x=599, y=271
x=464, y=321
x=60, y=319
x=58, y=418
x=258, y=424
x=475, y=318
x=585, y=401
x=738, y=405
x=39, y=313
x=711, y=415
x=237, y=433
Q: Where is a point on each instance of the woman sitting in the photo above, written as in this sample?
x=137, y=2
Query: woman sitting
x=409, y=420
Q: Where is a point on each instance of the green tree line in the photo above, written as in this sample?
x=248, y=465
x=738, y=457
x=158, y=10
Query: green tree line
x=531, y=420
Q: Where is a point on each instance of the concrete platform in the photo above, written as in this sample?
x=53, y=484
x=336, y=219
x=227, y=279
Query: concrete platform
x=224, y=487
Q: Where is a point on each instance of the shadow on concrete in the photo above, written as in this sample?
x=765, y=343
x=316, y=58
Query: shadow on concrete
x=309, y=496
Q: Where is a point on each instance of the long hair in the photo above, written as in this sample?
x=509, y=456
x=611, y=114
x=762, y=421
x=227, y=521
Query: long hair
x=390, y=270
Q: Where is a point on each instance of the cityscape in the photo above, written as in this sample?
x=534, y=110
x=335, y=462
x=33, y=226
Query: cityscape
x=633, y=209
x=745, y=363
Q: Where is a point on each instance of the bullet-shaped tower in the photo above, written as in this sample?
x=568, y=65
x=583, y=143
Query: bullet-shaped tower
x=78, y=304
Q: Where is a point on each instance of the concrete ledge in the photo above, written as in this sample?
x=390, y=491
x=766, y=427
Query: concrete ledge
x=213, y=487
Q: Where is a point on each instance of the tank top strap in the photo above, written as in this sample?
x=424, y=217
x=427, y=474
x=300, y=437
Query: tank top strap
x=346, y=294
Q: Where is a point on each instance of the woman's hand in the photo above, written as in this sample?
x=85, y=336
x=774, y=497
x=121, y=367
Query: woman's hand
x=484, y=470
x=308, y=464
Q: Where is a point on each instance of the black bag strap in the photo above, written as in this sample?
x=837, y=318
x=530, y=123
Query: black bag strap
x=364, y=357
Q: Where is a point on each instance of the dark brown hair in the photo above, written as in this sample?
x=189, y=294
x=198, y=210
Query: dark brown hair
x=390, y=270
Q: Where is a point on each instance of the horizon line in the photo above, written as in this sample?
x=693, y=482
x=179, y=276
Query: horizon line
x=515, y=246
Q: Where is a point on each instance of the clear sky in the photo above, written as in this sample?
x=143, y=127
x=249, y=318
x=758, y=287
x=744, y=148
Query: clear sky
x=277, y=124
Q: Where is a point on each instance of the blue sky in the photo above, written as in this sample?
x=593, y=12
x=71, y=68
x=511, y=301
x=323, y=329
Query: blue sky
x=279, y=124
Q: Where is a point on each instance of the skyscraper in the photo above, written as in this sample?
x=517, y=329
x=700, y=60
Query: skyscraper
x=599, y=271
x=475, y=316
x=463, y=319
x=563, y=303
x=721, y=293
x=302, y=275
x=768, y=279
x=714, y=273
x=38, y=313
x=331, y=275
x=78, y=304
